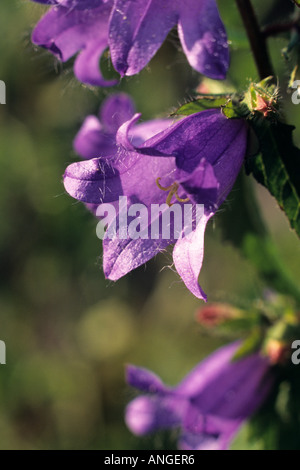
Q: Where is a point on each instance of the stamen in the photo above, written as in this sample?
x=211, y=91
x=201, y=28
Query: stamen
x=180, y=198
x=168, y=188
x=173, y=188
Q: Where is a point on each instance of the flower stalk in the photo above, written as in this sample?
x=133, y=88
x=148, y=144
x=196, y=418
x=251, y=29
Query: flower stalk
x=256, y=38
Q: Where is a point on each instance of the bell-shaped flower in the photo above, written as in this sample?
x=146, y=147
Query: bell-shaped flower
x=72, y=26
x=138, y=28
x=97, y=135
x=133, y=31
x=208, y=406
x=192, y=163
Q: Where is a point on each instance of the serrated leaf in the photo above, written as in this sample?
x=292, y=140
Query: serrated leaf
x=277, y=166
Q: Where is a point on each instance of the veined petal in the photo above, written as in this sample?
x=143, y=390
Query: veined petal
x=137, y=30
x=207, y=134
x=128, y=173
x=188, y=257
x=203, y=37
x=122, y=256
x=87, y=181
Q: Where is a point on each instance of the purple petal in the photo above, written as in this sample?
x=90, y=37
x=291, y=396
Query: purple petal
x=122, y=138
x=205, y=135
x=207, y=370
x=228, y=164
x=147, y=414
x=234, y=391
x=131, y=136
x=128, y=173
x=137, y=30
x=188, y=257
x=87, y=181
x=203, y=38
x=116, y=110
x=66, y=31
x=201, y=186
x=98, y=138
x=79, y=4
x=216, y=434
x=145, y=130
x=87, y=68
x=122, y=256
x=46, y=2
x=91, y=141
x=144, y=380
x=59, y=31
x=210, y=404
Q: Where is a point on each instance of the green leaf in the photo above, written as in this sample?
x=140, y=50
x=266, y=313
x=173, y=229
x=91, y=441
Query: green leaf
x=277, y=166
x=250, y=345
x=202, y=103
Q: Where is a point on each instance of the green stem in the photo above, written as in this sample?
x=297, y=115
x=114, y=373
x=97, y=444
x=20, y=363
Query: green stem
x=256, y=38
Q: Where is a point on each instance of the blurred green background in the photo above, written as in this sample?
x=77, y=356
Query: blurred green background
x=68, y=331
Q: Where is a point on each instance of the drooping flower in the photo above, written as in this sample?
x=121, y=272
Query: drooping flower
x=133, y=31
x=71, y=26
x=138, y=28
x=208, y=406
x=97, y=135
x=196, y=160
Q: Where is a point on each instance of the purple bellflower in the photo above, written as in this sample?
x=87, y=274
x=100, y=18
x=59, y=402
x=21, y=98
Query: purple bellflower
x=208, y=406
x=71, y=26
x=196, y=160
x=97, y=135
x=133, y=30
